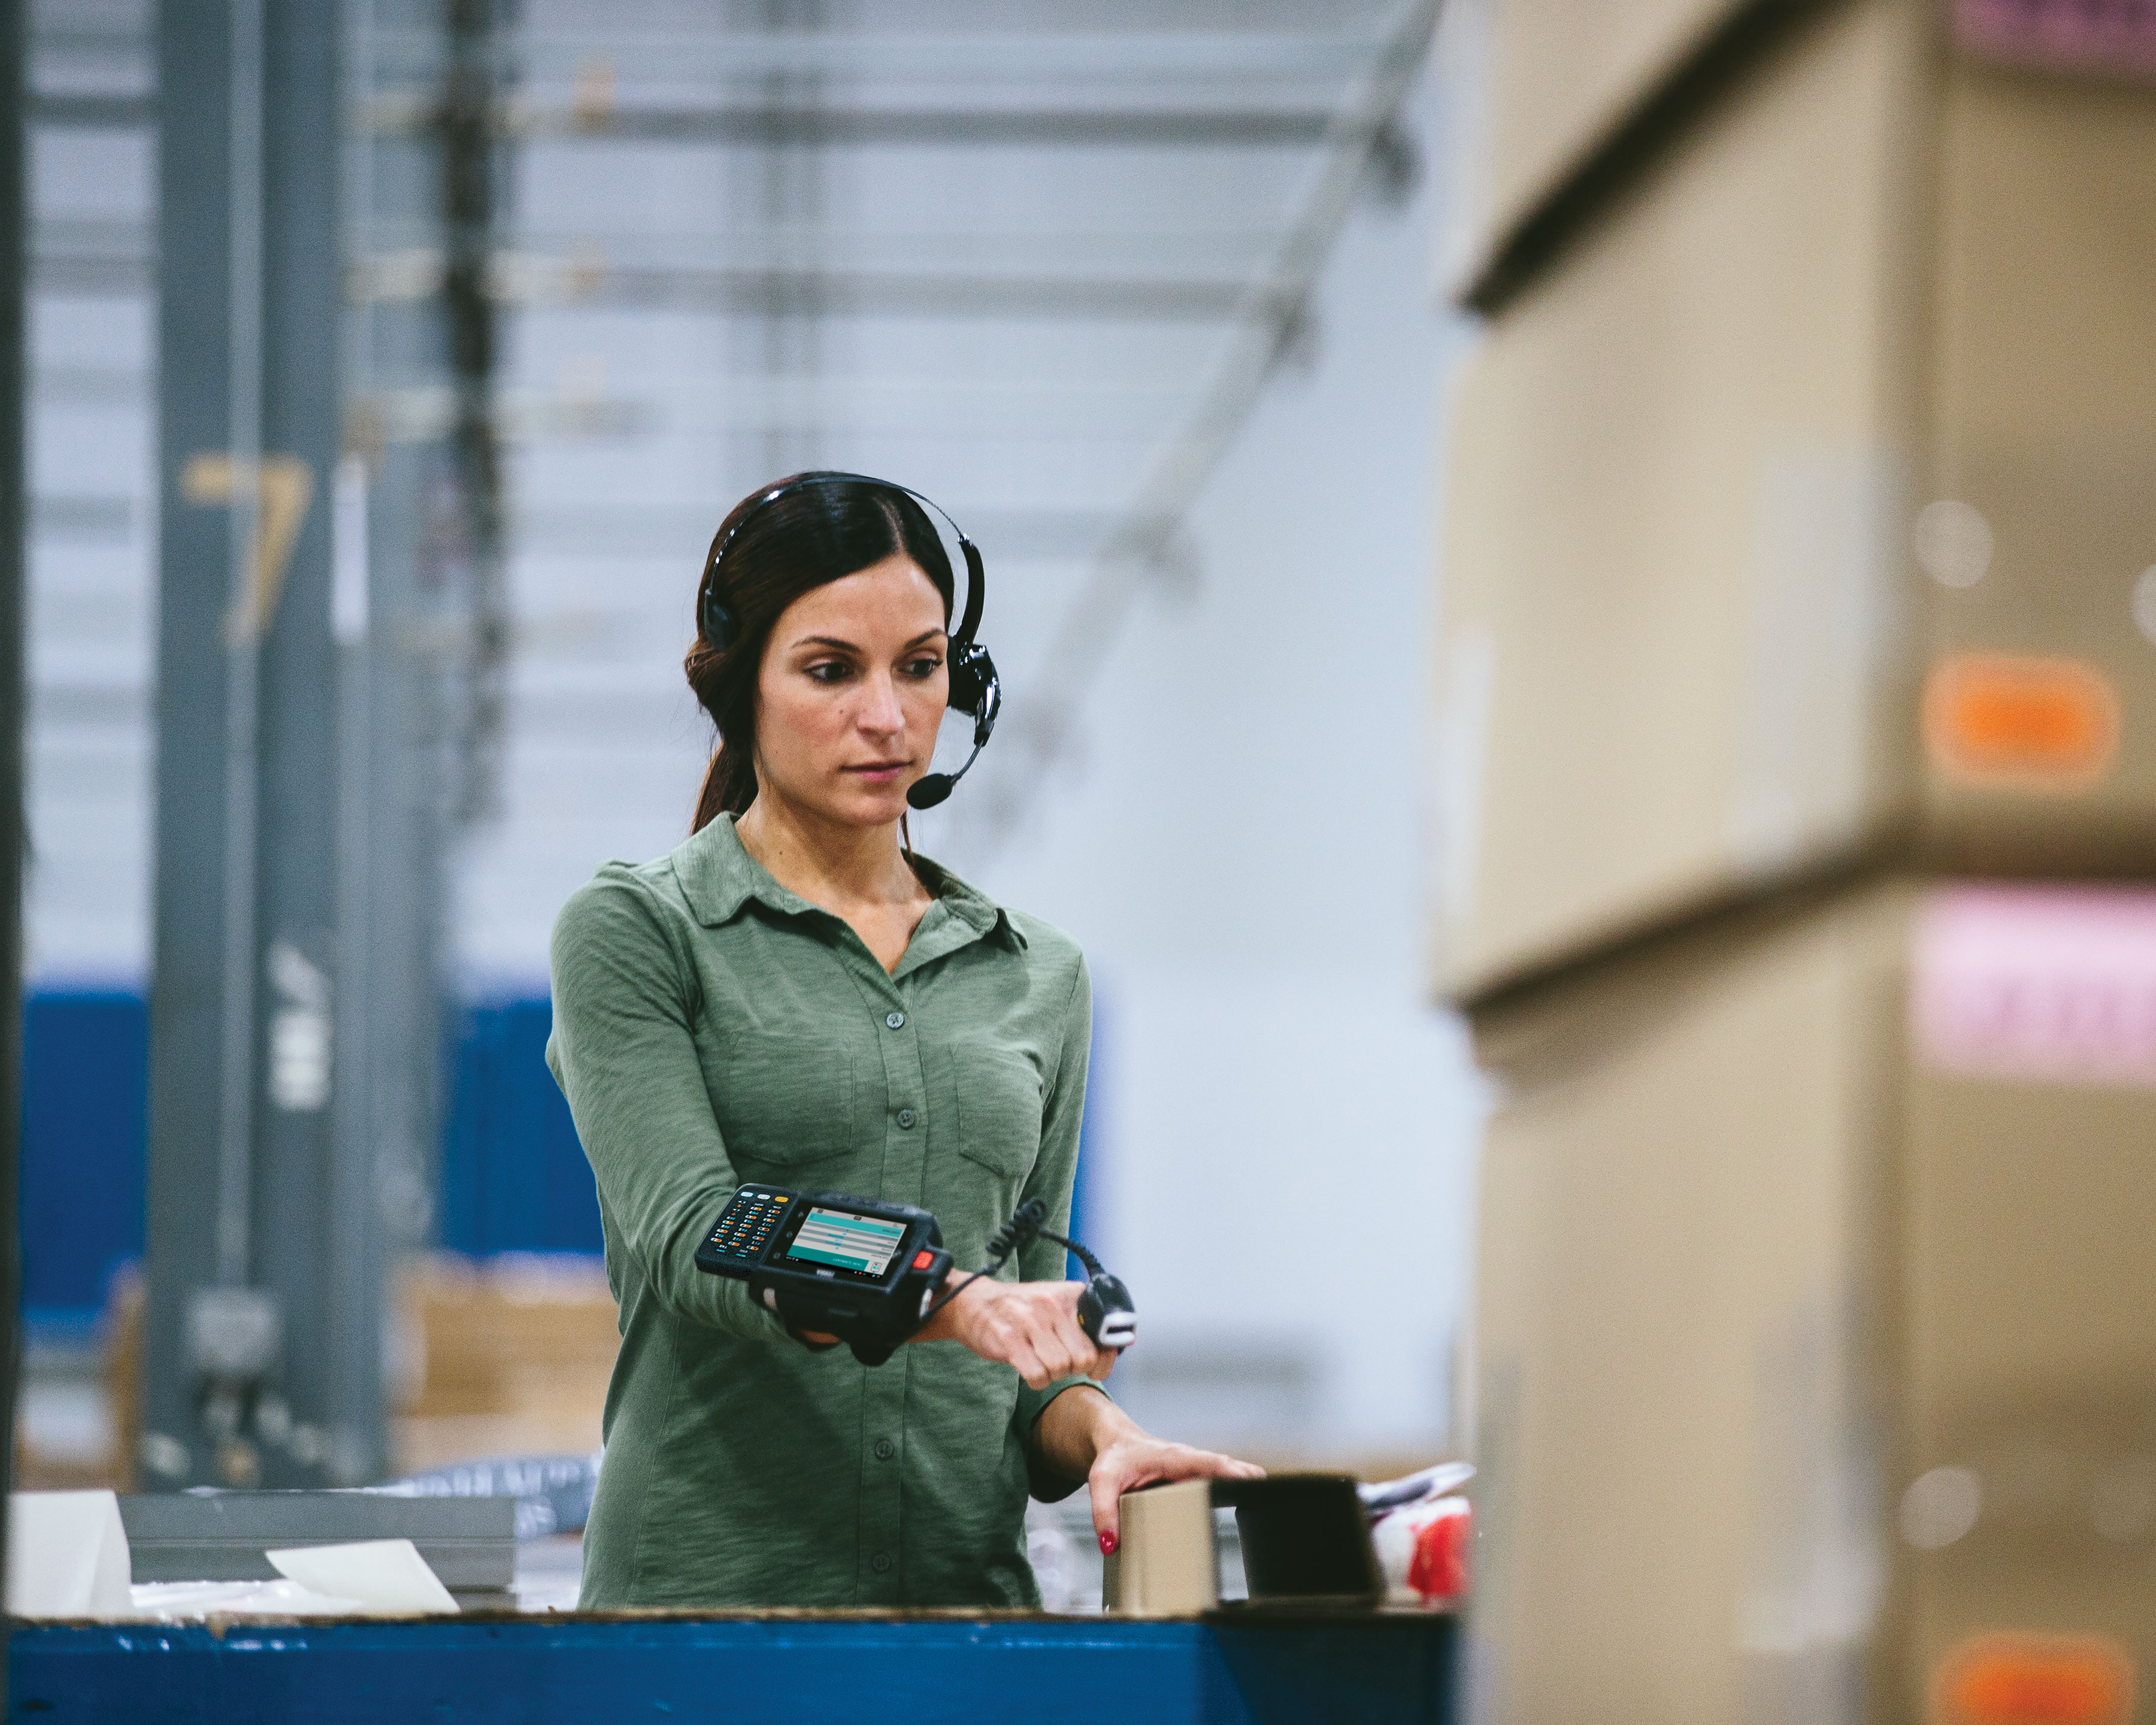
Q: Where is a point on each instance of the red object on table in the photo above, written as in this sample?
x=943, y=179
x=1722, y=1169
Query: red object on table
x=1439, y=1568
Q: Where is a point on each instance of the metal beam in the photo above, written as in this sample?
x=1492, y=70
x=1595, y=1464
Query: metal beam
x=470, y=180
x=1224, y=128
x=1220, y=129
x=254, y=1375
x=840, y=293
x=102, y=112
x=682, y=533
x=922, y=57
x=14, y=523
x=519, y=278
x=91, y=278
x=415, y=586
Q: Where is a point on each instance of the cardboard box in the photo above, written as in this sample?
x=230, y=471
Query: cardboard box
x=1799, y=513
x=508, y=1357
x=1549, y=80
x=1305, y=1538
x=1811, y=1342
x=1673, y=658
x=2045, y=429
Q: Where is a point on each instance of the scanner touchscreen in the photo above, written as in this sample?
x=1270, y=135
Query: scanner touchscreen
x=856, y=1246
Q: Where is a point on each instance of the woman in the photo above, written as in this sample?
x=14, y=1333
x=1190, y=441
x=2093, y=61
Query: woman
x=793, y=996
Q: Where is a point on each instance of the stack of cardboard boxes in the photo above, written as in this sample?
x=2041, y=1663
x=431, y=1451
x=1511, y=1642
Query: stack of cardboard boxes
x=510, y=1356
x=507, y=1356
x=1798, y=702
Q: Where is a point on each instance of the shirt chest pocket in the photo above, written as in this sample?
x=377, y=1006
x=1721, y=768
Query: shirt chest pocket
x=785, y=1105
x=999, y=1107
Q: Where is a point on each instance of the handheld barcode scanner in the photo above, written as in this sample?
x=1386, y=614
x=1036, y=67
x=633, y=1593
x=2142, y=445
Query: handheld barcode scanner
x=856, y=1268
x=868, y=1272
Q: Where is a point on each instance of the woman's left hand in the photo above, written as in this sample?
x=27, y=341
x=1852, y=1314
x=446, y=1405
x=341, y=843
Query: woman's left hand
x=1082, y=1435
x=1134, y=1457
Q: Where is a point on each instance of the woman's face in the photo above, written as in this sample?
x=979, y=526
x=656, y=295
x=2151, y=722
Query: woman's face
x=850, y=692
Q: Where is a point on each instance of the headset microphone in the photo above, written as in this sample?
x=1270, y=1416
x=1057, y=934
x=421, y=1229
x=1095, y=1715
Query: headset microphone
x=971, y=667
x=927, y=793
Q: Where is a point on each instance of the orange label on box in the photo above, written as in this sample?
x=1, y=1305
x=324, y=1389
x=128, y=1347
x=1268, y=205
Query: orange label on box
x=2034, y=724
x=2033, y=1680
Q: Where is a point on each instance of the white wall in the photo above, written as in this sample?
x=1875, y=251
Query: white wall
x=1287, y=1130
x=92, y=613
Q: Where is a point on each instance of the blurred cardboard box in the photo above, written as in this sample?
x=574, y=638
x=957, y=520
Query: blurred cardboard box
x=2044, y=444
x=1812, y=1338
x=1799, y=507
x=1672, y=660
x=503, y=1356
x=1549, y=80
x=507, y=1356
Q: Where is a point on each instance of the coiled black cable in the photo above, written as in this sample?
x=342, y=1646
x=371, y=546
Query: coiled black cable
x=1028, y=1222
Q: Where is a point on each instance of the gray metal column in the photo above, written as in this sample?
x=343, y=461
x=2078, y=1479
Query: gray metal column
x=14, y=524
x=425, y=729
x=250, y=1362
x=471, y=174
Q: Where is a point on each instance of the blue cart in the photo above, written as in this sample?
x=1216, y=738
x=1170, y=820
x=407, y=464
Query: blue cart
x=1227, y=1668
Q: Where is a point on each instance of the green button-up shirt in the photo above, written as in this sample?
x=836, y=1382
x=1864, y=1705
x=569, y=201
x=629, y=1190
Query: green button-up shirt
x=711, y=1027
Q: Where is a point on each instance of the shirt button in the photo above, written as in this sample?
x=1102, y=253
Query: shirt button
x=881, y=1562
x=906, y=1116
x=886, y=1449
x=895, y=1019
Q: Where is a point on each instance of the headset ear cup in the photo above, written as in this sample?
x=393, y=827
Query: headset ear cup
x=983, y=687
x=716, y=620
x=970, y=668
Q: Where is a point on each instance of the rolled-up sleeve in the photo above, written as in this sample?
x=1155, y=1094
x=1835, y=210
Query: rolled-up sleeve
x=1053, y=1172
x=623, y=1051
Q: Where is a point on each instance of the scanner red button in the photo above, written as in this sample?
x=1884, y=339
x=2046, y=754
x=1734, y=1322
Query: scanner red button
x=923, y=1259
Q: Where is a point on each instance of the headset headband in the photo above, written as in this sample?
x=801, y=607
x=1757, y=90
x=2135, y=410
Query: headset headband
x=969, y=620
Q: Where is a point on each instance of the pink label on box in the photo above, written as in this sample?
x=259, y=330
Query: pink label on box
x=2052, y=984
x=2115, y=36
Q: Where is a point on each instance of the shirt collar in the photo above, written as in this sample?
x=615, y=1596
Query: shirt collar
x=718, y=876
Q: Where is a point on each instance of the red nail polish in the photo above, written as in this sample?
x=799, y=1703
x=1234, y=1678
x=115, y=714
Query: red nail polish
x=1107, y=1545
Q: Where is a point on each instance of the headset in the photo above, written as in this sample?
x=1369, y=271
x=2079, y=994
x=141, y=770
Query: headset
x=975, y=687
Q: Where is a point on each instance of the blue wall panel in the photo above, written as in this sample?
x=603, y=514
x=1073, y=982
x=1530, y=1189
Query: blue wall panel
x=514, y=1176
x=85, y=1091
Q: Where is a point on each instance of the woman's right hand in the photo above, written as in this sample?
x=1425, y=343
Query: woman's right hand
x=1030, y=1325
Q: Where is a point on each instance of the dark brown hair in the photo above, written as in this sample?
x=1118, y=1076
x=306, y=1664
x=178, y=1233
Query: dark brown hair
x=814, y=533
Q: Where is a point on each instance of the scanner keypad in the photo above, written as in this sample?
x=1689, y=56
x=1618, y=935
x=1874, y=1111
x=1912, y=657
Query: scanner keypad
x=747, y=1221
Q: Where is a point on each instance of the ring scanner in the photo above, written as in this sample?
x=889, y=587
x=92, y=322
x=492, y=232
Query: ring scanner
x=868, y=1271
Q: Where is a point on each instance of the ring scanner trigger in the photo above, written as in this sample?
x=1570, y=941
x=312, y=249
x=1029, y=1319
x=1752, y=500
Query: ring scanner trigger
x=1106, y=1311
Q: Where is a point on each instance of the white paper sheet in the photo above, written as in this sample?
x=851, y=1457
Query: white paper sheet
x=191, y=1601
x=386, y=1577
x=67, y=1555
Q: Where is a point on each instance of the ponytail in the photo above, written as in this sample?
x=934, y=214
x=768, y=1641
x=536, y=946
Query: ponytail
x=729, y=786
